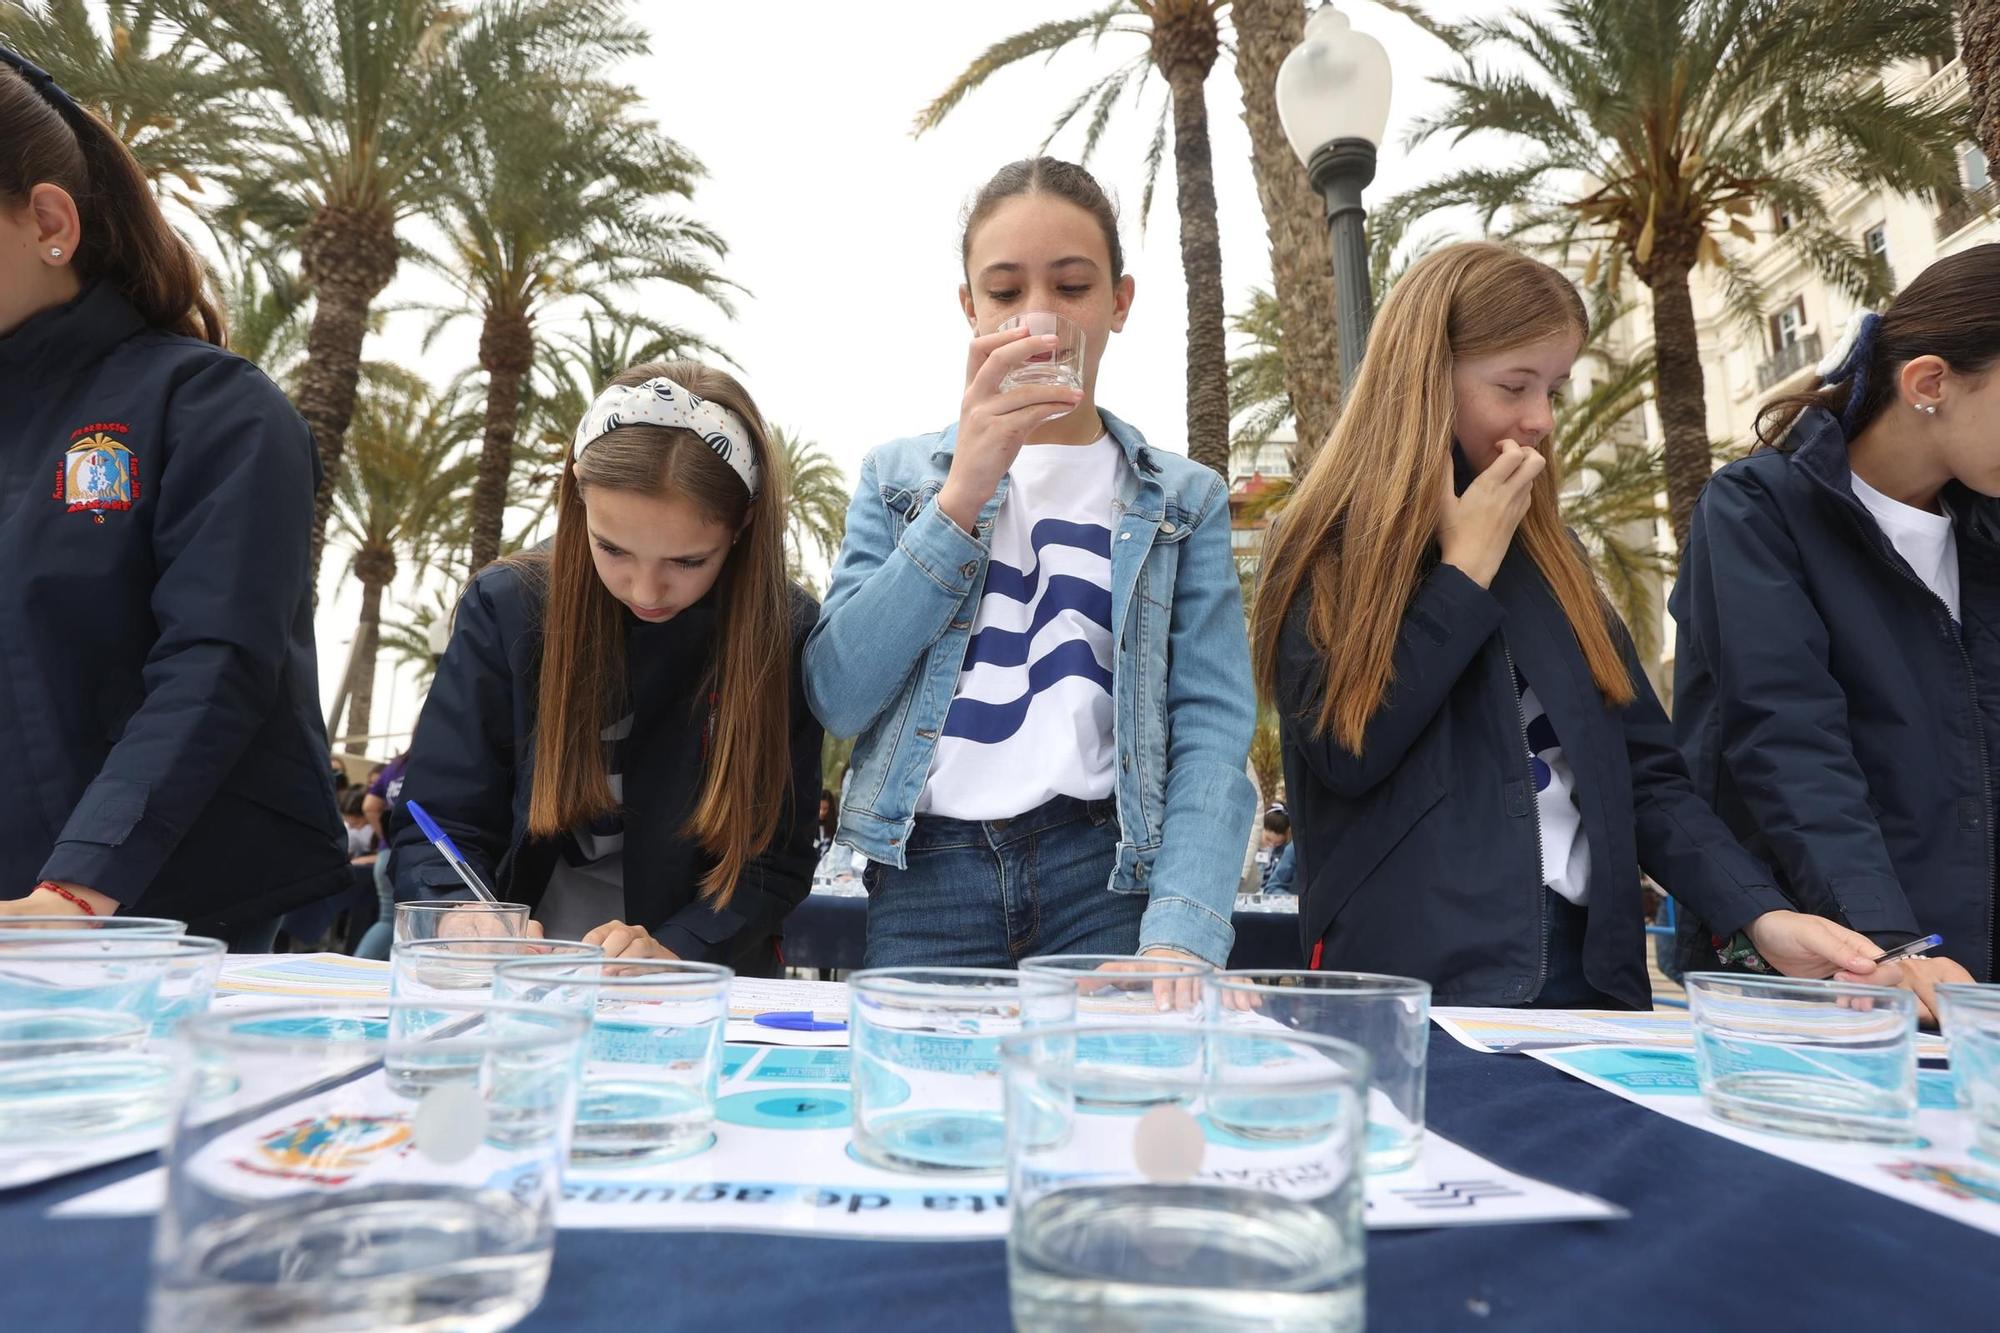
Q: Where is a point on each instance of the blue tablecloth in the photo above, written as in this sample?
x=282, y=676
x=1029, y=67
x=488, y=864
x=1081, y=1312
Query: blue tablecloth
x=1721, y=1238
x=830, y=931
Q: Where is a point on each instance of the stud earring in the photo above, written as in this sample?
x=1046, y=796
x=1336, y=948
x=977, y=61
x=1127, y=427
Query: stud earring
x=1926, y=407
x=55, y=252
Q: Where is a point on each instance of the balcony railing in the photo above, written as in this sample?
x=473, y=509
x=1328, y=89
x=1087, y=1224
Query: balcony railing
x=1967, y=208
x=1789, y=361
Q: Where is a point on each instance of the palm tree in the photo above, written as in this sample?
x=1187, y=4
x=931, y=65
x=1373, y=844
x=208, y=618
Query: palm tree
x=1295, y=220
x=1979, y=22
x=558, y=202
x=1182, y=40
x=569, y=370
x=1260, y=388
x=161, y=94
x=346, y=108
x=402, y=498
x=1647, y=127
x=819, y=490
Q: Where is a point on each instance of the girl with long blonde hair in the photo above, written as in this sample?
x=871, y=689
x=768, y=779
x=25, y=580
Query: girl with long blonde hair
x=1477, y=766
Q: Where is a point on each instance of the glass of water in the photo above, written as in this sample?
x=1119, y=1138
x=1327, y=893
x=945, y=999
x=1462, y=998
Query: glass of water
x=1061, y=365
x=1388, y=1017
x=1233, y=1201
x=426, y=967
x=75, y=1014
x=334, y=1201
x=457, y=918
x=654, y=1055
x=1167, y=997
x=1816, y=1059
x=926, y=1060
x=189, y=983
x=1970, y=1015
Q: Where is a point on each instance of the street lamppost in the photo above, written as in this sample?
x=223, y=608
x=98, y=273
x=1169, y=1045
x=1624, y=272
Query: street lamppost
x=1333, y=100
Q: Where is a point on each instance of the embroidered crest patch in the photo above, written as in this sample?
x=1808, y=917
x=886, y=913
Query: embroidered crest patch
x=97, y=472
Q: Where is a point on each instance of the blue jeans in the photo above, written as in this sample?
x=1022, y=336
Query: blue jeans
x=990, y=894
x=375, y=944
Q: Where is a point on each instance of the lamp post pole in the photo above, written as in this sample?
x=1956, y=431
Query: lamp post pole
x=1340, y=171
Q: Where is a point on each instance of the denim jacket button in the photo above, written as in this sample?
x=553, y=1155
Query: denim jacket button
x=968, y=569
x=1124, y=536
x=1167, y=529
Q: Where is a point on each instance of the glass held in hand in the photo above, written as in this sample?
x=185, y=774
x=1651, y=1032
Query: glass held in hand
x=1061, y=364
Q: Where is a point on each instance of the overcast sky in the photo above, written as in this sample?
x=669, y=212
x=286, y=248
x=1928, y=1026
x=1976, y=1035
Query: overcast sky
x=844, y=229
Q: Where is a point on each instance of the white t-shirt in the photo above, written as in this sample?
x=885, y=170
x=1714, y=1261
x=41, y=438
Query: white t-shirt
x=1030, y=719
x=1922, y=538
x=1565, y=849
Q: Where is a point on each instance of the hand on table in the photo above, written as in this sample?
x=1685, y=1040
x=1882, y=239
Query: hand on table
x=1181, y=994
x=623, y=941
x=1922, y=977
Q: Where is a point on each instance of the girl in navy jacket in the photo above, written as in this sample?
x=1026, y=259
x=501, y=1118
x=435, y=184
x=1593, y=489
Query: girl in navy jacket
x=1476, y=764
x=159, y=699
x=617, y=734
x=1838, y=671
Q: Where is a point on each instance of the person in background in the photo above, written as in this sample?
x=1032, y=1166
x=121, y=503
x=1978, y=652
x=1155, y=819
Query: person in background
x=1276, y=837
x=1280, y=876
x=362, y=839
x=160, y=712
x=828, y=824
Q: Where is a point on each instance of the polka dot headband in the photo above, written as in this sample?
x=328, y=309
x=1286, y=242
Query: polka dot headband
x=662, y=402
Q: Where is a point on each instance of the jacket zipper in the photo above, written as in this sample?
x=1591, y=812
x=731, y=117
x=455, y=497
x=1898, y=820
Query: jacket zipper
x=1534, y=807
x=1979, y=736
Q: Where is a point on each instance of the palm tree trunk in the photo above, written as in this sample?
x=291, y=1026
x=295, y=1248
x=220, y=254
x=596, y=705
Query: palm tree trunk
x=349, y=257
x=506, y=352
x=368, y=644
x=1295, y=222
x=1185, y=44
x=1980, y=22
x=1680, y=391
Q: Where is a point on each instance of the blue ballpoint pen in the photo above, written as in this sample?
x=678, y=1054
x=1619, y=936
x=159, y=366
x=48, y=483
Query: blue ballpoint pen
x=449, y=850
x=1910, y=950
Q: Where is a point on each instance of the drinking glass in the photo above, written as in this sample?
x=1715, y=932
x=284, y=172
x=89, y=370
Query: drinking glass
x=1233, y=1201
x=1386, y=1016
x=338, y=1201
x=654, y=1055
x=926, y=1060
x=1817, y=1059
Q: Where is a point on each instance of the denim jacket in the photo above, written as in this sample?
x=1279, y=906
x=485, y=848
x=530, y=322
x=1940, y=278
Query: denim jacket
x=884, y=660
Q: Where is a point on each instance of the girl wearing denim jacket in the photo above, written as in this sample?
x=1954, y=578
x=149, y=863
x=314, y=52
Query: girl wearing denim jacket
x=1036, y=633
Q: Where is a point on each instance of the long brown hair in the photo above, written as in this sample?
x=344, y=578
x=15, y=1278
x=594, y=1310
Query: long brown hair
x=1950, y=310
x=583, y=681
x=1361, y=529
x=127, y=241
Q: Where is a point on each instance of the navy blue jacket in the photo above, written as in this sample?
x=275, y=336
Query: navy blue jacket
x=1829, y=707
x=471, y=767
x=1422, y=855
x=159, y=695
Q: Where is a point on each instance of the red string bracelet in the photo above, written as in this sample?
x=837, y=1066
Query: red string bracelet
x=62, y=892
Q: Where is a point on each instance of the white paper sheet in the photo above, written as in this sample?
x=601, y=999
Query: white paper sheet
x=1526, y=1030
x=780, y=1163
x=1939, y=1173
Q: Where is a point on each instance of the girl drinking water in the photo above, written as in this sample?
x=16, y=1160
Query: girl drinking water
x=1035, y=631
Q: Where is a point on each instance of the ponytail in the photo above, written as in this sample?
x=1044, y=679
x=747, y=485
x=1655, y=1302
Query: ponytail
x=1951, y=310
x=46, y=138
